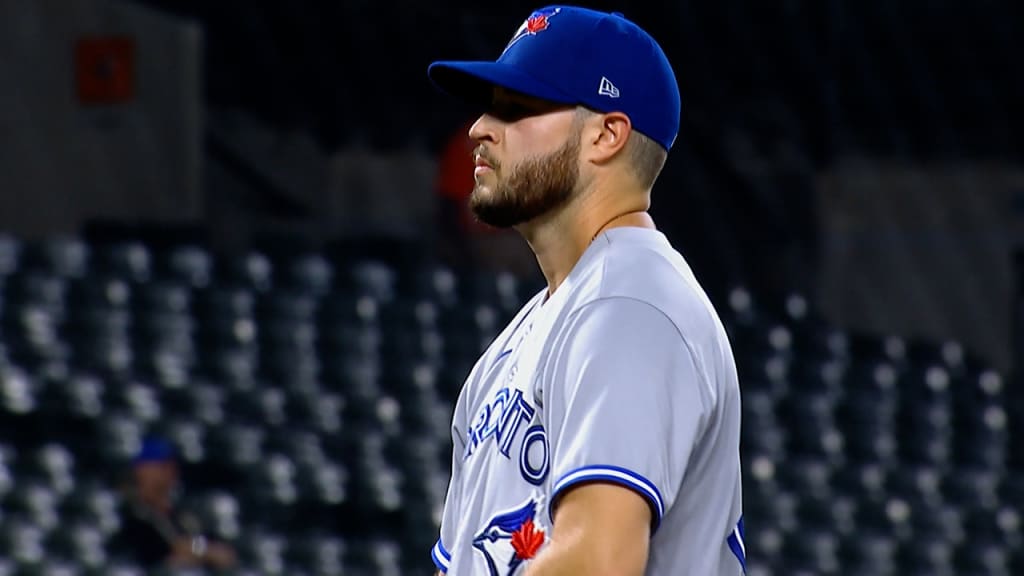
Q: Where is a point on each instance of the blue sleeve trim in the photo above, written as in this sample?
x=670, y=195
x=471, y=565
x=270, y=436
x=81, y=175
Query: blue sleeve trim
x=736, y=544
x=615, y=475
x=442, y=559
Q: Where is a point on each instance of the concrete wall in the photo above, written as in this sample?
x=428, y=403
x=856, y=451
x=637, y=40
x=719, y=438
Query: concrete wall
x=62, y=162
x=923, y=250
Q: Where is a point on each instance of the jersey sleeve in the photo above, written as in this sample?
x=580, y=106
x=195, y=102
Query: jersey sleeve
x=626, y=403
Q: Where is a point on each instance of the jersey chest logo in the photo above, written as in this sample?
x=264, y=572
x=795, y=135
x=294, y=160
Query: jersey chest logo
x=511, y=538
x=500, y=425
x=506, y=420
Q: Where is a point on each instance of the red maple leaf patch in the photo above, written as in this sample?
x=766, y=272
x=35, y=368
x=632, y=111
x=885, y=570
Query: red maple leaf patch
x=527, y=540
x=537, y=23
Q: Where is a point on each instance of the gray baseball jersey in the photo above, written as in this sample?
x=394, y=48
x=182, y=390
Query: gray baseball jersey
x=623, y=375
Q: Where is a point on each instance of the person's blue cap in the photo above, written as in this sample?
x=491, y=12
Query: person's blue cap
x=154, y=450
x=572, y=55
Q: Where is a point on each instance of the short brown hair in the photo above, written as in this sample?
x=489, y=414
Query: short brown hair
x=647, y=158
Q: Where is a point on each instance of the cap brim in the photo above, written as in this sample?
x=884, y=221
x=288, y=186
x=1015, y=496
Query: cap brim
x=473, y=82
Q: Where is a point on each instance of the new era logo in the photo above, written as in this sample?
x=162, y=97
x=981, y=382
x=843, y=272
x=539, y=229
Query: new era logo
x=607, y=88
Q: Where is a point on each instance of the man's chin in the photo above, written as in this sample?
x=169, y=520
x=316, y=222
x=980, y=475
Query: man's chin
x=493, y=216
x=494, y=222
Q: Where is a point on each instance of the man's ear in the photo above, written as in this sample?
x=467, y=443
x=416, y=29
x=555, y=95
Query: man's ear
x=607, y=134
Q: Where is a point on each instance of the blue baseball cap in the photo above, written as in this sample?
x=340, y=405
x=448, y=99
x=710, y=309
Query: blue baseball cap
x=578, y=56
x=154, y=450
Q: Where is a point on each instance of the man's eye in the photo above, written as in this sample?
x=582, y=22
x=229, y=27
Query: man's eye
x=511, y=111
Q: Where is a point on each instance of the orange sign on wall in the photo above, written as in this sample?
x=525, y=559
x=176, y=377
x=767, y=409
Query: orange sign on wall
x=105, y=69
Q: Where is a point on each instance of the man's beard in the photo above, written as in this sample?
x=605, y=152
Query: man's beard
x=536, y=186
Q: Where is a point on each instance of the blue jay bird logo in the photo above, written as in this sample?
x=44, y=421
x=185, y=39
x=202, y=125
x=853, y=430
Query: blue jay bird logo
x=535, y=24
x=510, y=538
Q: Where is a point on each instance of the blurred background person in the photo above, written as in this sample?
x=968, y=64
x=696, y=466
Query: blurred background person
x=155, y=530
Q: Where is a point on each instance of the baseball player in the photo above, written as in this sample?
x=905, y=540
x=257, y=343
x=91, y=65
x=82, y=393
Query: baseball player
x=599, y=433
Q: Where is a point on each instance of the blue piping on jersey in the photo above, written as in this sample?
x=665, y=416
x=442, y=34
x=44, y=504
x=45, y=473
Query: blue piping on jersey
x=737, y=546
x=617, y=475
x=442, y=559
x=500, y=356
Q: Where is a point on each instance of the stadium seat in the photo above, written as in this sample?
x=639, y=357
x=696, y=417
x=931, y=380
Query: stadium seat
x=235, y=367
x=19, y=408
x=925, y=555
x=309, y=273
x=7, y=470
x=129, y=259
x=925, y=428
x=288, y=337
x=765, y=547
x=221, y=513
x=349, y=330
x=96, y=505
x=52, y=567
x=263, y=406
x=53, y=465
x=871, y=348
x=35, y=309
x=63, y=256
x=808, y=476
x=950, y=355
x=237, y=445
x=377, y=556
x=982, y=557
x=812, y=428
x=38, y=504
x=76, y=402
x=982, y=436
x=404, y=347
x=188, y=437
x=325, y=484
x=999, y=526
x=318, y=410
x=941, y=522
x=868, y=422
x=972, y=488
x=320, y=554
x=189, y=264
x=124, y=569
x=82, y=543
x=813, y=551
x=422, y=313
x=228, y=317
x=1011, y=492
x=821, y=374
x=265, y=551
x=11, y=249
x=118, y=438
x=374, y=278
x=23, y=542
x=920, y=486
x=251, y=271
x=504, y=290
x=868, y=552
x=763, y=434
x=434, y=282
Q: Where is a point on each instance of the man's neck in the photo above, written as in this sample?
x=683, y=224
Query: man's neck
x=560, y=239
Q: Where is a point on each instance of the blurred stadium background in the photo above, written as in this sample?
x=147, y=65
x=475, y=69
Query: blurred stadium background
x=219, y=222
